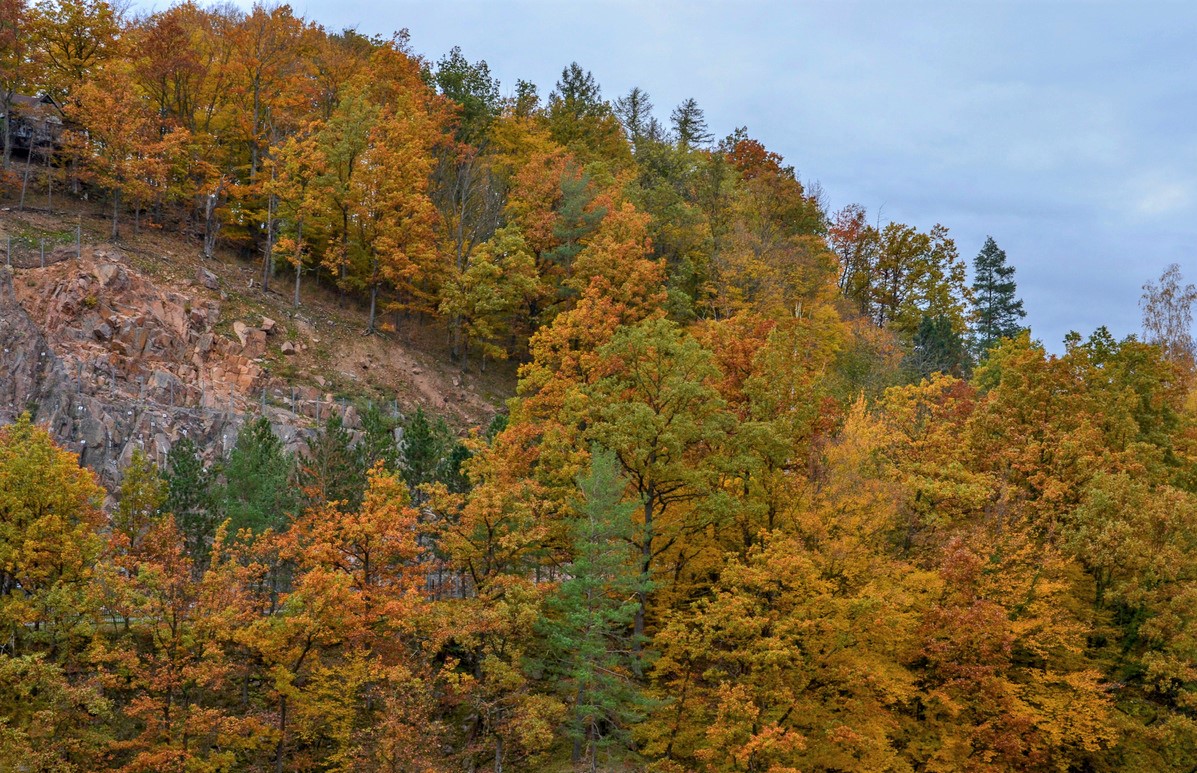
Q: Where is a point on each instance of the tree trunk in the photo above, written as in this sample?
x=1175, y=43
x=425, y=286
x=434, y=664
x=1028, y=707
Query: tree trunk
x=298, y=271
x=576, y=756
x=298, y=261
x=279, y=753
x=7, y=130
x=373, y=307
x=210, y=225
x=268, y=257
x=646, y=557
x=116, y=208
x=25, y=181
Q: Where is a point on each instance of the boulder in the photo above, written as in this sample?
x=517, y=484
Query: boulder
x=109, y=275
x=253, y=340
x=207, y=279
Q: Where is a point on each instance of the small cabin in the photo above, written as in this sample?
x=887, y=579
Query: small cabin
x=37, y=122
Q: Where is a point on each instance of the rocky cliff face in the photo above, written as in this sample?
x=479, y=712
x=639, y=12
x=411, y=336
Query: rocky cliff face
x=32, y=377
x=111, y=362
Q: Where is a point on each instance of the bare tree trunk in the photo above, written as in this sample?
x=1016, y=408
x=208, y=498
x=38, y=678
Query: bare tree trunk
x=25, y=180
x=7, y=129
x=279, y=754
x=298, y=259
x=268, y=258
x=373, y=306
x=116, y=205
x=211, y=227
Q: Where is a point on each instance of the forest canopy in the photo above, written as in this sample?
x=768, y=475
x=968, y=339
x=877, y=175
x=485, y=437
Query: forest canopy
x=780, y=489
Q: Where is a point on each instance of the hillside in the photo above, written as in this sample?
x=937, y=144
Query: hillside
x=777, y=488
x=137, y=343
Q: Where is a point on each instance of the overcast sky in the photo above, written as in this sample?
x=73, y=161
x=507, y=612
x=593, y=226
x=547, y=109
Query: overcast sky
x=1065, y=130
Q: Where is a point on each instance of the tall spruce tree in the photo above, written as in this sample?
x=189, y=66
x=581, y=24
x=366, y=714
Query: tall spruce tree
x=997, y=311
x=191, y=499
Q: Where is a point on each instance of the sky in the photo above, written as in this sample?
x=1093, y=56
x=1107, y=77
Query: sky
x=1065, y=130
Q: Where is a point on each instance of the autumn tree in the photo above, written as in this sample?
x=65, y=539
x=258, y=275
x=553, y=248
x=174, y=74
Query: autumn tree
x=1168, y=315
x=50, y=517
x=392, y=216
x=654, y=408
x=271, y=87
x=899, y=275
x=581, y=120
x=297, y=167
x=142, y=495
x=338, y=649
x=51, y=722
x=466, y=190
x=15, y=67
x=483, y=301
x=342, y=141
x=777, y=666
x=71, y=39
x=770, y=254
x=121, y=149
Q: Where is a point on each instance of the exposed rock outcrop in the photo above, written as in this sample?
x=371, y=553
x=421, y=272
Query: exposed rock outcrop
x=110, y=362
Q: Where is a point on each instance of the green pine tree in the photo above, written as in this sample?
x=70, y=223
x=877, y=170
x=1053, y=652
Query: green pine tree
x=938, y=348
x=997, y=311
x=258, y=493
x=427, y=446
x=333, y=469
x=190, y=498
x=589, y=623
x=378, y=439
